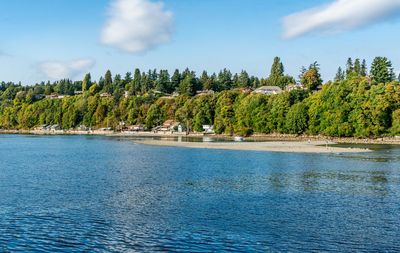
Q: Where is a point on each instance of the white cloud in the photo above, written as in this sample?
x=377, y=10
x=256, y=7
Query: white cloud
x=339, y=16
x=136, y=26
x=65, y=69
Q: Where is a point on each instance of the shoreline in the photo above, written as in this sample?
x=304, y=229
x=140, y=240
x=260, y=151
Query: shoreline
x=255, y=137
x=280, y=146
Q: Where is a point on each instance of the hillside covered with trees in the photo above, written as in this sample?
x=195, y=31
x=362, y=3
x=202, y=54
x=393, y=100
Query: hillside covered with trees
x=357, y=102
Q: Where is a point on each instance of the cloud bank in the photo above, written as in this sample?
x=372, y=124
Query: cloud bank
x=339, y=16
x=136, y=26
x=65, y=69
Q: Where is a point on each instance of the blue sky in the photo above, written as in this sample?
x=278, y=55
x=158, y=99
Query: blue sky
x=47, y=39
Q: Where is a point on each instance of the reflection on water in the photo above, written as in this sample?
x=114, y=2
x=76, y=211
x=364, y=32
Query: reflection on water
x=81, y=193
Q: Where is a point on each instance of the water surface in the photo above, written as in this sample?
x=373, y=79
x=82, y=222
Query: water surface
x=82, y=193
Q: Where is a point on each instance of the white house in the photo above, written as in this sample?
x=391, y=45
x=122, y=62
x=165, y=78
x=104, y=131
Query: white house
x=295, y=87
x=268, y=90
x=208, y=129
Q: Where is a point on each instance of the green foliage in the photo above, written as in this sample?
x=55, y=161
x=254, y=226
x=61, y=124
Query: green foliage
x=351, y=106
x=297, y=119
x=381, y=70
x=311, y=79
x=87, y=82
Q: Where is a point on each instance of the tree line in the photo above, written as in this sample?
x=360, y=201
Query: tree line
x=356, y=103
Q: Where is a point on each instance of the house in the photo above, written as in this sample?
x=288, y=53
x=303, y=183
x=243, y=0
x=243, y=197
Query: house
x=105, y=129
x=169, y=125
x=82, y=128
x=208, y=129
x=175, y=94
x=56, y=96
x=42, y=127
x=268, y=90
x=204, y=92
x=139, y=127
x=52, y=96
x=105, y=95
x=291, y=87
x=55, y=127
x=78, y=92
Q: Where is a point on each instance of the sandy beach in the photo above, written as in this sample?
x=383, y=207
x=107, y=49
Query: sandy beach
x=279, y=146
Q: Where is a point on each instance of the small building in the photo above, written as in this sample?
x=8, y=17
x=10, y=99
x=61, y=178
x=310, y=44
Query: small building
x=55, y=127
x=204, y=92
x=169, y=125
x=56, y=96
x=82, y=128
x=268, y=90
x=136, y=128
x=292, y=87
x=44, y=127
x=208, y=129
x=78, y=92
x=175, y=94
x=105, y=95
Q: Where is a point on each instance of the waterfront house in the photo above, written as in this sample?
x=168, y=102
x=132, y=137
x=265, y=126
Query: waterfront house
x=169, y=125
x=55, y=127
x=82, y=128
x=208, y=129
x=139, y=127
x=105, y=129
x=268, y=90
x=42, y=127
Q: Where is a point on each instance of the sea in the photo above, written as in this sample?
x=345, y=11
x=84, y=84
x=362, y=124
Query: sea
x=110, y=194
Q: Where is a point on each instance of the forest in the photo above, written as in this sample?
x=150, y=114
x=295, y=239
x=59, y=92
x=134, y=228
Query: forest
x=359, y=102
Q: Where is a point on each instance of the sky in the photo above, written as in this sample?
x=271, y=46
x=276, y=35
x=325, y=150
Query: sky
x=54, y=39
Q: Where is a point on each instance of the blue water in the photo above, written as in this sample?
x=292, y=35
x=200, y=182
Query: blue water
x=109, y=194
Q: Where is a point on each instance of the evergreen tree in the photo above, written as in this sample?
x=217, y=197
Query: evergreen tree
x=363, y=68
x=357, y=66
x=136, y=82
x=108, y=79
x=205, y=81
x=381, y=70
x=349, y=66
x=175, y=79
x=244, y=80
x=224, y=80
x=87, y=82
x=188, y=85
x=339, y=75
x=312, y=78
x=277, y=70
x=163, y=82
x=235, y=81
